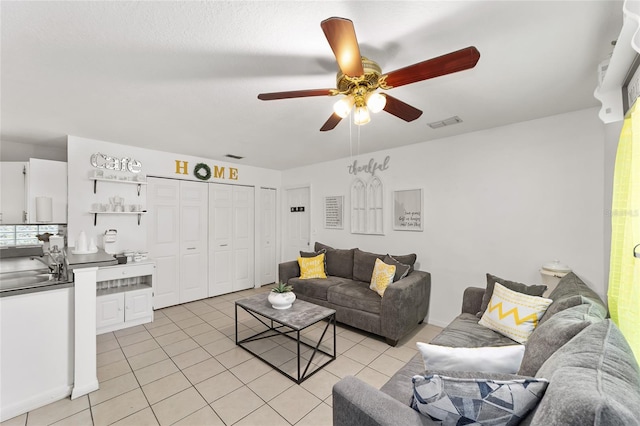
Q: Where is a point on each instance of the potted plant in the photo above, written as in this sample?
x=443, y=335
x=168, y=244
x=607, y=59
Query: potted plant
x=281, y=296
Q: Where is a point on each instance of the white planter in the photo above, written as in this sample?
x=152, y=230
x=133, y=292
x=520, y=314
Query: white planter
x=281, y=300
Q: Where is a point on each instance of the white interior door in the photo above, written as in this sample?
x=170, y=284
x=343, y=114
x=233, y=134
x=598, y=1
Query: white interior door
x=220, y=239
x=267, y=236
x=297, y=225
x=193, y=241
x=243, y=237
x=163, y=239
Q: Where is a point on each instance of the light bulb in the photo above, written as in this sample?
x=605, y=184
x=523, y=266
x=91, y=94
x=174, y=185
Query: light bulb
x=343, y=107
x=361, y=116
x=376, y=102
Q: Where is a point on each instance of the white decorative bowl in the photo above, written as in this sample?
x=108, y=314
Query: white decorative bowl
x=281, y=300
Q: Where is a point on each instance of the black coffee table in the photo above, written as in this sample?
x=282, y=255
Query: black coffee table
x=289, y=323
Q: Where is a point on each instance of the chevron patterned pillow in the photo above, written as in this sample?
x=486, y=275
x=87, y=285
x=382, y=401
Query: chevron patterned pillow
x=514, y=314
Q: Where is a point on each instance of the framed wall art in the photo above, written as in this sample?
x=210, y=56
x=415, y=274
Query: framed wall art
x=407, y=210
x=334, y=212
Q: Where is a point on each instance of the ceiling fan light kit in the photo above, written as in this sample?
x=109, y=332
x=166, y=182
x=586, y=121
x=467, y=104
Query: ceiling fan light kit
x=359, y=78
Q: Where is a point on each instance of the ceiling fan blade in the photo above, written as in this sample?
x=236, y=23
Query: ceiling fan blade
x=331, y=123
x=400, y=109
x=446, y=64
x=341, y=36
x=294, y=94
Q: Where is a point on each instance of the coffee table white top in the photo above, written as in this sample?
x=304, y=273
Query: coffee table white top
x=299, y=316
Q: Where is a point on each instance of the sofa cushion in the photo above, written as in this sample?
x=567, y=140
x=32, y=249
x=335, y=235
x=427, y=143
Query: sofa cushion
x=550, y=336
x=312, y=267
x=316, y=288
x=498, y=359
x=594, y=380
x=382, y=276
x=531, y=290
x=314, y=254
x=572, y=291
x=402, y=269
x=363, y=264
x=456, y=401
x=407, y=259
x=464, y=331
x=355, y=295
x=339, y=262
x=399, y=385
x=514, y=314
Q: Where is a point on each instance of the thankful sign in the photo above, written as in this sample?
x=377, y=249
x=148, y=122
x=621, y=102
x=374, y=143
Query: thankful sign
x=371, y=167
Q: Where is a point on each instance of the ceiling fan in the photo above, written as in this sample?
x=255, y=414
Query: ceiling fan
x=359, y=78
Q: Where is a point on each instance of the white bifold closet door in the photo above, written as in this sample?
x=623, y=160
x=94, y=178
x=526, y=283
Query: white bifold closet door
x=193, y=241
x=177, y=240
x=231, y=238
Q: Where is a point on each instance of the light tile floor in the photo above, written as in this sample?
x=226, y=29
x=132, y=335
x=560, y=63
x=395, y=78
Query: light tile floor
x=185, y=369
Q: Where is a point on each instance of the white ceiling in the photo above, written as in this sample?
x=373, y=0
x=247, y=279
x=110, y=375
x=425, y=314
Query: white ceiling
x=184, y=76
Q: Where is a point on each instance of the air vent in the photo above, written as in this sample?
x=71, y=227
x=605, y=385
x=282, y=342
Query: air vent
x=235, y=157
x=446, y=122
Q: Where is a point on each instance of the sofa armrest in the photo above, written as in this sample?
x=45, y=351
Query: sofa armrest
x=472, y=300
x=288, y=270
x=358, y=403
x=405, y=304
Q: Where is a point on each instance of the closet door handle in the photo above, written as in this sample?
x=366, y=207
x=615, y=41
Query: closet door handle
x=191, y=248
x=223, y=245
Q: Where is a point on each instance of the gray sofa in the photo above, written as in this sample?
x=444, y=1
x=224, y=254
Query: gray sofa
x=346, y=289
x=593, y=376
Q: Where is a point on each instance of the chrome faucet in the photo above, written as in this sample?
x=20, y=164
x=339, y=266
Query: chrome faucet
x=44, y=262
x=55, y=262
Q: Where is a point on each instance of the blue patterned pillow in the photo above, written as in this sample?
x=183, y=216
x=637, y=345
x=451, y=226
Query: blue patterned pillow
x=455, y=401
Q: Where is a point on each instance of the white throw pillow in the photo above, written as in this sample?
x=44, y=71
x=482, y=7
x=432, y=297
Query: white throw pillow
x=514, y=314
x=499, y=359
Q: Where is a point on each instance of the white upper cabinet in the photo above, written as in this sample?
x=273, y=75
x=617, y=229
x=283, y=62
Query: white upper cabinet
x=13, y=192
x=47, y=179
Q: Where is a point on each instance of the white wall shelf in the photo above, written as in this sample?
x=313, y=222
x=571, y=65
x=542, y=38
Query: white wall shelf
x=95, y=215
x=130, y=182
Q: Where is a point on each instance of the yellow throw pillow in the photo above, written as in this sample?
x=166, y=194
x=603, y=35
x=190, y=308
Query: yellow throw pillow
x=382, y=276
x=514, y=314
x=312, y=267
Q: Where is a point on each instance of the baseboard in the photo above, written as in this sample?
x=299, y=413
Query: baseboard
x=85, y=389
x=35, y=401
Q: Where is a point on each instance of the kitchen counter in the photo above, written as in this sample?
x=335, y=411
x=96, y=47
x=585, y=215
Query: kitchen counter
x=100, y=258
x=22, y=275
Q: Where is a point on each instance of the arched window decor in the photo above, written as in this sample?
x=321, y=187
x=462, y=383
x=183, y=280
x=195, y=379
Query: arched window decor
x=374, y=206
x=358, y=207
x=367, y=206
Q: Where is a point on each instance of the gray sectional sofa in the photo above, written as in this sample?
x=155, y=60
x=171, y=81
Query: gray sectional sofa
x=346, y=289
x=593, y=376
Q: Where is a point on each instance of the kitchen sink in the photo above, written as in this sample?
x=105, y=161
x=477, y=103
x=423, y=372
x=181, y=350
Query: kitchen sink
x=25, y=281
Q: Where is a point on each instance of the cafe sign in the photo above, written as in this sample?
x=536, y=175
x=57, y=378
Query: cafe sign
x=107, y=162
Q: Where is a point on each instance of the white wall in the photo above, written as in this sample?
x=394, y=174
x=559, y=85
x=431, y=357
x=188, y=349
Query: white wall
x=154, y=163
x=504, y=201
x=15, y=151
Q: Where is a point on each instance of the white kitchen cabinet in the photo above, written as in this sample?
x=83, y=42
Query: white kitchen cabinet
x=13, y=192
x=23, y=182
x=48, y=179
x=109, y=310
x=124, y=296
